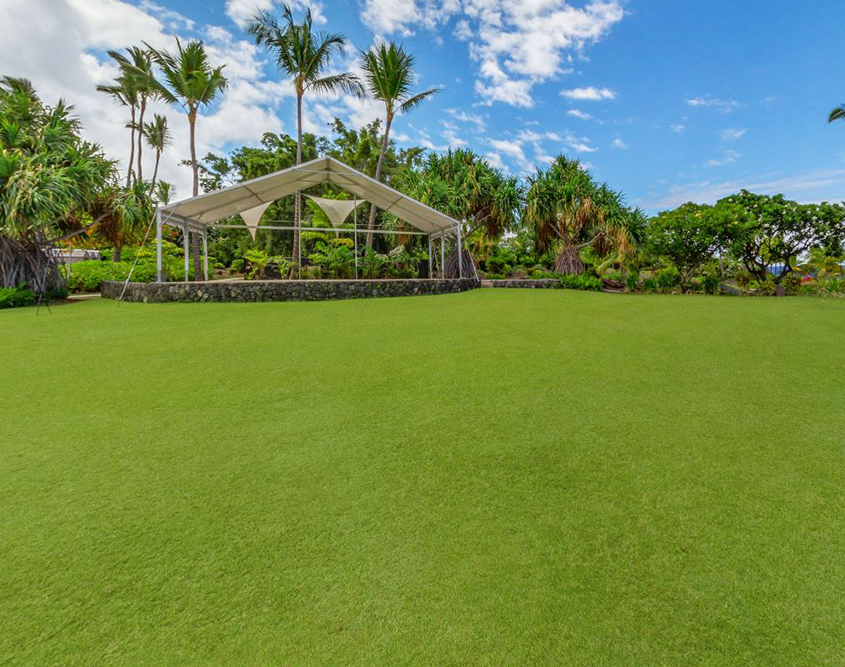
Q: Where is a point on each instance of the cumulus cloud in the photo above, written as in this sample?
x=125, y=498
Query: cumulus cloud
x=516, y=44
x=60, y=47
x=709, y=101
x=242, y=11
x=618, y=143
x=577, y=113
x=677, y=128
x=590, y=93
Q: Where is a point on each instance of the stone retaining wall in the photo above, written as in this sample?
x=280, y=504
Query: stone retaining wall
x=281, y=290
x=545, y=283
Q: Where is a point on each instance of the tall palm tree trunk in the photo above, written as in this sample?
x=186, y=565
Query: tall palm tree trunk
x=155, y=170
x=195, y=240
x=297, y=232
x=131, y=148
x=141, y=137
x=372, y=221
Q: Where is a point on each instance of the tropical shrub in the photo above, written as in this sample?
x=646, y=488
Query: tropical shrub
x=667, y=278
x=582, y=282
x=632, y=280
x=257, y=261
x=14, y=297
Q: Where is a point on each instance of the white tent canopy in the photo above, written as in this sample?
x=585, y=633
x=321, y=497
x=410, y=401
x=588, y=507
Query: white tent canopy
x=205, y=210
x=336, y=210
x=251, y=198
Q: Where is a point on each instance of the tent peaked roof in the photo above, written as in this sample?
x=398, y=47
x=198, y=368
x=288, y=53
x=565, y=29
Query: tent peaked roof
x=207, y=209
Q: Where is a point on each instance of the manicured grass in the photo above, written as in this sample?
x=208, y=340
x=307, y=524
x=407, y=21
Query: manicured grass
x=503, y=477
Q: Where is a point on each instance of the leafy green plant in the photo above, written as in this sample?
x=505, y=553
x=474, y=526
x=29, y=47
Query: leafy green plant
x=632, y=280
x=582, y=282
x=14, y=297
x=257, y=261
x=667, y=278
x=237, y=266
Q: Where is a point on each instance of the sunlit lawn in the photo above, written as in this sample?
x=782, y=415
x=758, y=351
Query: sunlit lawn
x=502, y=477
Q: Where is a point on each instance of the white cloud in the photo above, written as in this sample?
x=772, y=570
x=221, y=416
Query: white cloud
x=730, y=157
x=590, y=93
x=387, y=17
x=516, y=44
x=579, y=144
x=677, y=128
x=722, y=106
x=463, y=31
x=450, y=134
x=731, y=134
x=618, y=143
x=465, y=117
x=806, y=187
x=577, y=113
x=242, y=11
x=59, y=46
x=495, y=160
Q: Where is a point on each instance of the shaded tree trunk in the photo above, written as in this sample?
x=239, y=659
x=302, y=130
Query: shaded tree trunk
x=155, y=170
x=296, y=269
x=371, y=224
x=131, y=148
x=116, y=254
x=30, y=262
x=568, y=262
x=195, y=238
x=141, y=137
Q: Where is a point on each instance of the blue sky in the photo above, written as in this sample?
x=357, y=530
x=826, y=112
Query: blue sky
x=668, y=101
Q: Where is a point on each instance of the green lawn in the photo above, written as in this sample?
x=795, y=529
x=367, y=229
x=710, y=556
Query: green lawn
x=502, y=477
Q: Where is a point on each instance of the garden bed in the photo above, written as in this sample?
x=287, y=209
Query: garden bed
x=281, y=290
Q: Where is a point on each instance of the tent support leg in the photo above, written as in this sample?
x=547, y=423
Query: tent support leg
x=159, y=272
x=355, y=234
x=185, y=236
x=460, y=256
x=429, y=256
x=205, y=253
x=442, y=256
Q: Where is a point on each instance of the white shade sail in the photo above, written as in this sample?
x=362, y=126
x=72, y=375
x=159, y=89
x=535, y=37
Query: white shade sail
x=252, y=216
x=200, y=212
x=336, y=210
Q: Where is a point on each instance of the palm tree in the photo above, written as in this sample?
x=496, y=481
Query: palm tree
x=837, y=114
x=158, y=138
x=125, y=91
x=139, y=69
x=191, y=82
x=304, y=56
x=389, y=73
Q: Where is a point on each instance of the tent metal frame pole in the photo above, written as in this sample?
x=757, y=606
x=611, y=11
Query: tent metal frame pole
x=460, y=256
x=205, y=253
x=185, y=236
x=322, y=229
x=159, y=272
x=442, y=258
x=355, y=236
x=430, y=275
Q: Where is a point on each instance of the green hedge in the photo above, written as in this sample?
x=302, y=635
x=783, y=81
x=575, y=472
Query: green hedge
x=86, y=276
x=583, y=282
x=13, y=297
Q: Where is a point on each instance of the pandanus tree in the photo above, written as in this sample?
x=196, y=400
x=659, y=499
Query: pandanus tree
x=566, y=207
x=463, y=185
x=389, y=74
x=158, y=138
x=53, y=185
x=305, y=56
x=190, y=81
